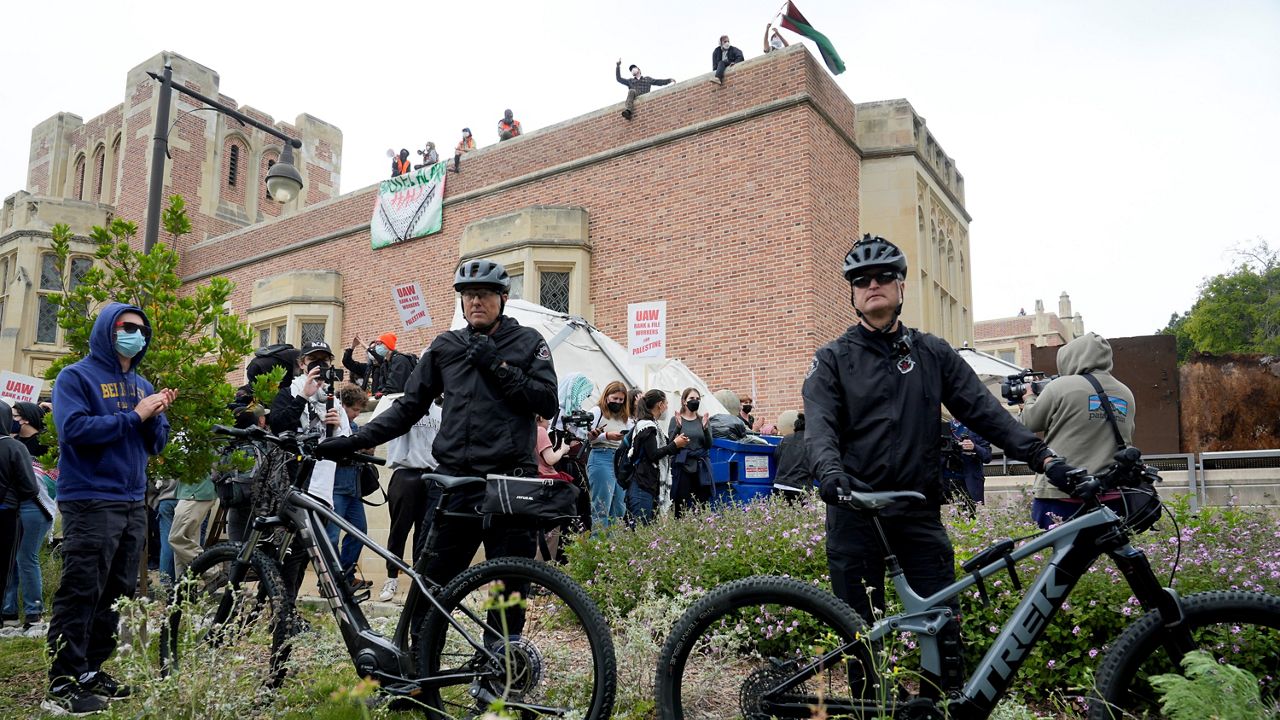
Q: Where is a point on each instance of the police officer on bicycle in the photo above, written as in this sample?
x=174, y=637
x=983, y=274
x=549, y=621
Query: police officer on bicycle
x=495, y=376
x=872, y=407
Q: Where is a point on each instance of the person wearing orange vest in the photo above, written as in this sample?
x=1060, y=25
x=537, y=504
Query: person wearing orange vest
x=508, y=126
x=400, y=164
x=465, y=145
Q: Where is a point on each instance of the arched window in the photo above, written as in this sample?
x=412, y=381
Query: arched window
x=115, y=169
x=99, y=170
x=77, y=190
x=234, y=165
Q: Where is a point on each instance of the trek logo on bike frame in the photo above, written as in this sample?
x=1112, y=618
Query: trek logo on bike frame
x=1012, y=645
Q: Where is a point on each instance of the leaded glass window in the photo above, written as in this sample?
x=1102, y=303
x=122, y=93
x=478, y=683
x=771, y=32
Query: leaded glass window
x=554, y=291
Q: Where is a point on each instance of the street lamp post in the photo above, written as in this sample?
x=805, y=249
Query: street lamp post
x=283, y=180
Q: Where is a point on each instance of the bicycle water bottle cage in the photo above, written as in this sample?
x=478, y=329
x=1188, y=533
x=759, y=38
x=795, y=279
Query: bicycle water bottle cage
x=974, y=565
x=879, y=500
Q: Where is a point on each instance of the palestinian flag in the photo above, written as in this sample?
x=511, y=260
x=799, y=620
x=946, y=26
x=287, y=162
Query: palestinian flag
x=795, y=22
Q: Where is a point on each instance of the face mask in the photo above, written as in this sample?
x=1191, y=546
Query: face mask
x=724, y=45
x=15, y=428
x=747, y=409
x=380, y=350
x=693, y=405
x=614, y=407
x=130, y=344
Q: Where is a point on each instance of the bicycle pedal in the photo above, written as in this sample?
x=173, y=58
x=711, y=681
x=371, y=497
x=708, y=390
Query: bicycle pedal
x=360, y=596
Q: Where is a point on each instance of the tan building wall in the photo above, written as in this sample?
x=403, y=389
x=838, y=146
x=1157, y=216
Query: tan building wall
x=1011, y=338
x=912, y=194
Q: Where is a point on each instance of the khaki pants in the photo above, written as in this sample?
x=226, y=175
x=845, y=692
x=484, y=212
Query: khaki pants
x=184, y=536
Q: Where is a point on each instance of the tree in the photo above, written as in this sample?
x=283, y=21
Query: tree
x=1236, y=312
x=195, y=341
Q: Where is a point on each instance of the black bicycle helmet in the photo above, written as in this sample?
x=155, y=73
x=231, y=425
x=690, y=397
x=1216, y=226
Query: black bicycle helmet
x=873, y=251
x=482, y=273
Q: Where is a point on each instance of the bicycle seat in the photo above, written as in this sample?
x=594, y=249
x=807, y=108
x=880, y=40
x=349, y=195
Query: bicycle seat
x=449, y=482
x=879, y=500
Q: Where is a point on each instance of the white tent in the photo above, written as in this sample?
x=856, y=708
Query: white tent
x=991, y=370
x=578, y=347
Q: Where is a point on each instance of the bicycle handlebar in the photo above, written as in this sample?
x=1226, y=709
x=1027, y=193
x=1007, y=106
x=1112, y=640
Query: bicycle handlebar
x=290, y=440
x=1121, y=474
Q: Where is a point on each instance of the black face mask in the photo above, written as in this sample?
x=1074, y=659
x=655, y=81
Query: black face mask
x=614, y=407
x=693, y=405
x=747, y=409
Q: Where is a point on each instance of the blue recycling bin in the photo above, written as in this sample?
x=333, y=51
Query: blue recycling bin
x=741, y=471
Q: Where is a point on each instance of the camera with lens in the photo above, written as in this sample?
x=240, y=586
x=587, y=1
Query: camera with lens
x=950, y=450
x=1014, y=388
x=577, y=418
x=328, y=373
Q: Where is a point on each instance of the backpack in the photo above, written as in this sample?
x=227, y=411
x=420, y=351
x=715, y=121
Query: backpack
x=624, y=460
x=233, y=486
x=265, y=359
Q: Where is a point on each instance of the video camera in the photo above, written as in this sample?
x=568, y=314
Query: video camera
x=1014, y=388
x=577, y=418
x=328, y=373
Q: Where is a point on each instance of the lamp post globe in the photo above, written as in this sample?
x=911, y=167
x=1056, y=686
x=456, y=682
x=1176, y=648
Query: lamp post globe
x=283, y=180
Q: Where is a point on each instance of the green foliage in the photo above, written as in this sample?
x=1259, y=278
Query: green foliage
x=195, y=341
x=1209, y=690
x=1236, y=312
x=266, y=386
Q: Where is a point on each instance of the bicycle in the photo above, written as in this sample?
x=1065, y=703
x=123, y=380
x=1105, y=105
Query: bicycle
x=509, y=629
x=790, y=647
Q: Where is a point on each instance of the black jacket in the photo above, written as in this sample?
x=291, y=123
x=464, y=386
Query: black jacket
x=17, y=479
x=793, y=462
x=382, y=378
x=646, y=474
x=487, y=423
x=875, y=414
x=734, y=56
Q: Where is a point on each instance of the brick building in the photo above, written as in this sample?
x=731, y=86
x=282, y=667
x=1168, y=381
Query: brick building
x=1012, y=338
x=733, y=203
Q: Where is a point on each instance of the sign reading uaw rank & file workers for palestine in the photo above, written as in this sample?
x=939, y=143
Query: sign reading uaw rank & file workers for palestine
x=647, y=329
x=19, y=388
x=409, y=206
x=411, y=305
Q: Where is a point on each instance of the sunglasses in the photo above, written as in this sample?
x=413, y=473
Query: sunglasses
x=862, y=282
x=133, y=327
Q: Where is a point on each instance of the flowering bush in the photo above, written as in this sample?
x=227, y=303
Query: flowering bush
x=1219, y=548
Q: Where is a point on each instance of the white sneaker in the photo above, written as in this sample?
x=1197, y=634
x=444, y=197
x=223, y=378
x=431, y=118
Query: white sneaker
x=389, y=590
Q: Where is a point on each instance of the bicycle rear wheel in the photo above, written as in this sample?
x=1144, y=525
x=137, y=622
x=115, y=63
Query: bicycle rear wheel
x=751, y=649
x=1240, y=628
x=234, y=611
x=550, y=653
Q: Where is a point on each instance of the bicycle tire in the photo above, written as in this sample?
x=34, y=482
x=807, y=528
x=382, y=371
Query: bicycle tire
x=220, y=612
x=561, y=603
x=715, y=612
x=1121, y=688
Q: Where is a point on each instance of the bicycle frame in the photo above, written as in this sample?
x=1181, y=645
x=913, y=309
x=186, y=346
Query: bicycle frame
x=374, y=655
x=1076, y=545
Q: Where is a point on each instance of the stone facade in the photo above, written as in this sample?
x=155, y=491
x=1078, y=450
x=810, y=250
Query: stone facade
x=1012, y=338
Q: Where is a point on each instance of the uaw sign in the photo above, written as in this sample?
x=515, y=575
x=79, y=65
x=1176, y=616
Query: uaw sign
x=19, y=388
x=411, y=305
x=647, y=329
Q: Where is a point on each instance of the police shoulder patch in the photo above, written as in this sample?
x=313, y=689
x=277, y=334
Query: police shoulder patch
x=813, y=367
x=543, y=352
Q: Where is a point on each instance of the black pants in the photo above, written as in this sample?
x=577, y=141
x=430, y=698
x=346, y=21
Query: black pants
x=10, y=534
x=720, y=68
x=102, y=542
x=687, y=489
x=411, y=503
x=919, y=540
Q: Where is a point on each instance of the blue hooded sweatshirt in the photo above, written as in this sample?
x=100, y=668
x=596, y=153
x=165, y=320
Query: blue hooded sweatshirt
x=103, y=445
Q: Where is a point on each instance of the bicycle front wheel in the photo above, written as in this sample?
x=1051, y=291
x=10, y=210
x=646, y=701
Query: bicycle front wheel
x=767, y=647
x=233, y=610
x=547, y=651
x=1237, y=628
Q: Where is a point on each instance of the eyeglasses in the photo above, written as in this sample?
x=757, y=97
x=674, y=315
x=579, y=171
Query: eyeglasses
x=862, y=282
x=478, y=295
x=133, y=327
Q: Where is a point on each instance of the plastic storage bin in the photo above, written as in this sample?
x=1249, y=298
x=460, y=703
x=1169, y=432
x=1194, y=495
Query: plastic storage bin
x=741, y=471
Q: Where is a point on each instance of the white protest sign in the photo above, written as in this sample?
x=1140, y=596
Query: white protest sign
x=411, y=305
x=647, y=329
x=19, y=388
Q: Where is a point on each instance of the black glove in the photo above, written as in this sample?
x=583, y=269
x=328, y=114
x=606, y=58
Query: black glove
x=1063, y=476
x=336, y=448
x=482, y=352
x=838, y=486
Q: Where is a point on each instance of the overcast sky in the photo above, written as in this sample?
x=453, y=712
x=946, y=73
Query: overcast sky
x=1114, y=149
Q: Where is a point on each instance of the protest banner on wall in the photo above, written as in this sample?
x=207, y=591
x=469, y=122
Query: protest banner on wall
x=408, y=206
x=647, y=329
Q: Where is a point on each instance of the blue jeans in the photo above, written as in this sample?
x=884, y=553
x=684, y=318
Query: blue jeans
x=165, y=511
x=1041, y=508
x=641, y=505
x=26, y=569
x=608, y=499
x=348, y=506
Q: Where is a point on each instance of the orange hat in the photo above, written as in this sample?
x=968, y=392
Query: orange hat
x=388, y=339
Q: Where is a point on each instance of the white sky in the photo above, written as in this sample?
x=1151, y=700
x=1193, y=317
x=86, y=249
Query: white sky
x=1114, y=150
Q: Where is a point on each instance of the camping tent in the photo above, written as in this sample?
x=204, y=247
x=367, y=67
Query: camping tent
x=578, y=347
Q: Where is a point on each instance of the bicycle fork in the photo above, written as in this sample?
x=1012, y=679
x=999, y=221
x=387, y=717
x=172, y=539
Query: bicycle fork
x=1153, y=596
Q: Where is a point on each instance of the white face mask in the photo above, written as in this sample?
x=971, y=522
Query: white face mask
x=725, y=44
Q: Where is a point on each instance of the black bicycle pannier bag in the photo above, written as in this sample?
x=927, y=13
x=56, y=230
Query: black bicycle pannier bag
x=537, y=501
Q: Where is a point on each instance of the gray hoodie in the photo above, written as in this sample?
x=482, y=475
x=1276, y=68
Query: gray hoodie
x=1070, y=416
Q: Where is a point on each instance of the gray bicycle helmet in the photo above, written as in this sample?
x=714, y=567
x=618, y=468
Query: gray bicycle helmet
x=482, y=273
x=873, y=251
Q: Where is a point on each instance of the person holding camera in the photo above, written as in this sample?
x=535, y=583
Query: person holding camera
x=496, y=376
x=872, y=405
x=964, y=452
x=1069, y=413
